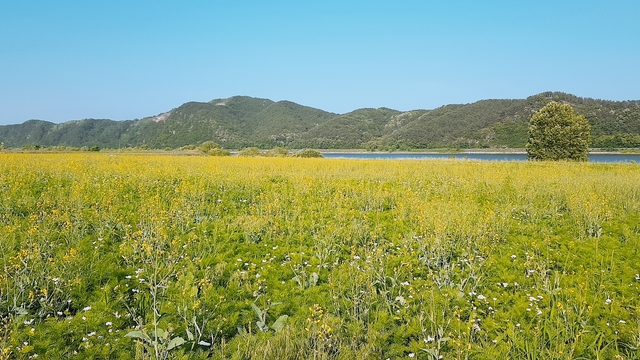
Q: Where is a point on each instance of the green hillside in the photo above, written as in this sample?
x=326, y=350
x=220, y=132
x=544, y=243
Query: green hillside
x=242, y=121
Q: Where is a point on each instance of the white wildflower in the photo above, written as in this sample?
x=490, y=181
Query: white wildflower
x=429, y=339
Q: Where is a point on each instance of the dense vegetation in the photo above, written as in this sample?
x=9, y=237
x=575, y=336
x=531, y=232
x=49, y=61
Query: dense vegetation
x=557, y=133
x=118, y=256
x=241, y=122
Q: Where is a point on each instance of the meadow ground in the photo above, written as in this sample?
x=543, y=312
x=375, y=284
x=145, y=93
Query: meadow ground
x=147, y=256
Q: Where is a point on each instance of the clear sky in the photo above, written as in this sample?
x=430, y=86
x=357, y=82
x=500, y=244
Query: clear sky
x=124, y=59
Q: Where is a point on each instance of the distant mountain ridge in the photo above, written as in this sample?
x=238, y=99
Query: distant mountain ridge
x=242, y=121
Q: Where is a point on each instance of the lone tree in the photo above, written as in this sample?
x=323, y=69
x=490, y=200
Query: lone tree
x=557, y=133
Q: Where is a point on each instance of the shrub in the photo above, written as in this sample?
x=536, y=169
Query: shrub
x=308, y=153
x=277, y=152
x=218, y=152
x=250, y=152
x=207, y=146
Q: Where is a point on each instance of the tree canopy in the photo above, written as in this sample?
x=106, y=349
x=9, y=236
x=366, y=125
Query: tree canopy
x=557, y=133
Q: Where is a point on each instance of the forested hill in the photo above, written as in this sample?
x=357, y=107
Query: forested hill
x=240, y=122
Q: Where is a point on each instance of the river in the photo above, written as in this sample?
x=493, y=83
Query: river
x=599, y=158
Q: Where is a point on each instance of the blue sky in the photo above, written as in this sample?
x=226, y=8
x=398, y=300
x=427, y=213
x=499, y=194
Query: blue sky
x=65, y=60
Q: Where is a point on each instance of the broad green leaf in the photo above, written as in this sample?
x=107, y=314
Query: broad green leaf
x=160, y=333
x=262, y=326
x=138, y=335
x=21, y=311
x=257, y=310
x=280, y=323
x=175, y=342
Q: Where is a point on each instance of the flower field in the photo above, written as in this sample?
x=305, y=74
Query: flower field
x=124, y=256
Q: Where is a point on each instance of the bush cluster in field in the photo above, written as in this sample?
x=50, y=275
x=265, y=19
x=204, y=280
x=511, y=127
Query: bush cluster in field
x=130, y=256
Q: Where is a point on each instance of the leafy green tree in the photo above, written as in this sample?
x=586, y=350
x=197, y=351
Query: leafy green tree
x=207, y=146
x=557, y=133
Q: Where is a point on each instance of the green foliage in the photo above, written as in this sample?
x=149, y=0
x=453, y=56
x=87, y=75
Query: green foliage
x=557, y=133
x=250, y=152
x=218, y=152
x=210, y=148
x=617, y=141
x=349, y=130
x=277, y=152
x=241, y=122
x=308, y=153
x=207, y=146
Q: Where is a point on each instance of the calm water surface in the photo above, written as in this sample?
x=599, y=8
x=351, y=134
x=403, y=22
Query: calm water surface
x=605, y=158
